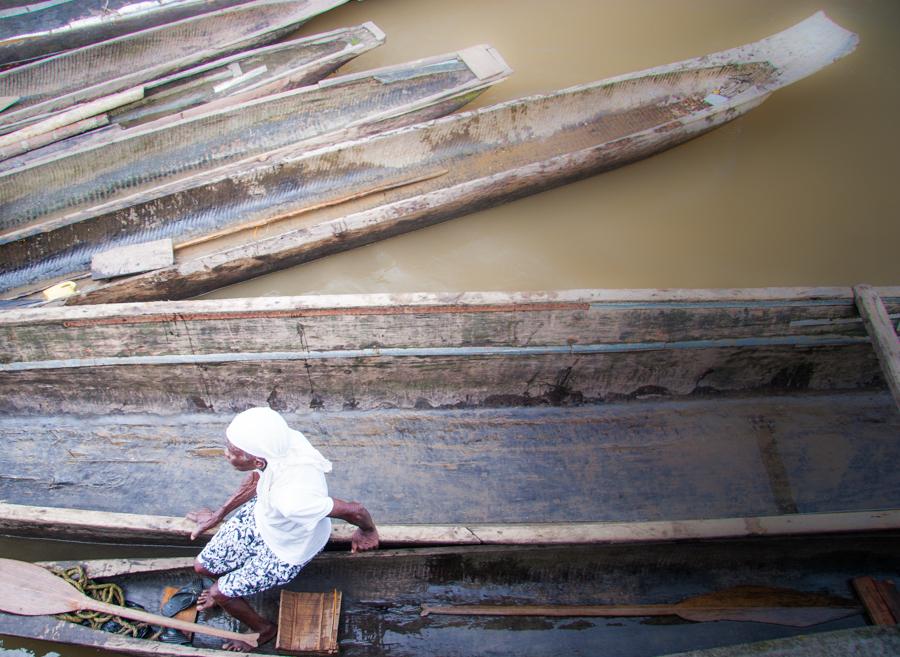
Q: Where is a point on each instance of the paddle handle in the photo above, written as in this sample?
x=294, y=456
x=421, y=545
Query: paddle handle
x=791, y=616
x=555, y=610
x=154, y=619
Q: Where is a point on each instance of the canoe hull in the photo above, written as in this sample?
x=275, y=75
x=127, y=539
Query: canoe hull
x=29, y=34
x=49, y=85
x=781, y=385
x=359, y=191
x=383, y=594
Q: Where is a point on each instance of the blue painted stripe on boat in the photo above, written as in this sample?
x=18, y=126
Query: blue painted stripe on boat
x=427, y=352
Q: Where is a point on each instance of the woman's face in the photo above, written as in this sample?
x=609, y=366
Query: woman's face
x=241, y=460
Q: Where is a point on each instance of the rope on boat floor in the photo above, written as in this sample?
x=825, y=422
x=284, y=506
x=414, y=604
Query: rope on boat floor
x=110, y=593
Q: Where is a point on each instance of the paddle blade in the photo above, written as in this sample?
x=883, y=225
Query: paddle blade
x=789, y=616
x=766, y=604
x=30, y=590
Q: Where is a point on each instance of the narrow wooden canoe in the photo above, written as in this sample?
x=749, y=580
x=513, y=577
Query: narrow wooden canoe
x=356, y=192
x=225, y=81
x=35, y=28
x=111, y=66
x=383, y=594
x=518, y=418
x=43, y=199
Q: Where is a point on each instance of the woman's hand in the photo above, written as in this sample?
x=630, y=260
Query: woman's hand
x=205, y=519
x=364, y=540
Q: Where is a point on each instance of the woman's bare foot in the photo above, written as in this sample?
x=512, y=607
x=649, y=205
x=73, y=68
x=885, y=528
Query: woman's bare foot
x=205, y=601
x=265, y=636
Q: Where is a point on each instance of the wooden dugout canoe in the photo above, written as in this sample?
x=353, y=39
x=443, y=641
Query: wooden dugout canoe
x=222, y=82
x=42, y=200
x=101, y=69
x=488, y=417
x=36, y=28
x=356, y=192
x=383, y=593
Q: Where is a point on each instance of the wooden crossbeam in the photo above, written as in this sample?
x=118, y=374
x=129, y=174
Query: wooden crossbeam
x=882, y=333
x=869, y=593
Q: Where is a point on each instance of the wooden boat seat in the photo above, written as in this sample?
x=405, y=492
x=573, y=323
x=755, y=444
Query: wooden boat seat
x=308, y=622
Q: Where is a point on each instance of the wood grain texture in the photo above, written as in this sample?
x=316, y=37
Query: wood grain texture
x=465, y=467
x=546, y=141
x=883, y=335
x=867, y=590
x=308, y=622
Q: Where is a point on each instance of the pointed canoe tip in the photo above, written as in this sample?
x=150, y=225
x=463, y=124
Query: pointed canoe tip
x=377, y=33
x=484, y=61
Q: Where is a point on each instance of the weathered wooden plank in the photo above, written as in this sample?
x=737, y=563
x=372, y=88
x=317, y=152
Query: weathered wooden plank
x=77, y=114
x=878, y=611
x=884, y=337
x=888, y=591
x=52, y=136
x=34, y=521
x=382, y=321
x=132, y=259
x=308, y=622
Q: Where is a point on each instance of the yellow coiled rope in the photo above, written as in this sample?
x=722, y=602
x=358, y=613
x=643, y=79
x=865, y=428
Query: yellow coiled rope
x=111, y=593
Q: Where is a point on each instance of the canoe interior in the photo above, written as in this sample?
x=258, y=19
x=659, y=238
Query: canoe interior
x=103, y=68
x=225, y=81
x=283, y=67
x=31, y=29
x=140, y=160
x=434, y=407
x=712, y=458
x=48, y=193
x=455, y=152
x=383, y=594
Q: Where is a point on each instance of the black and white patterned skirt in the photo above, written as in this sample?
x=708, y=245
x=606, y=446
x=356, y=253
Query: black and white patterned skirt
x=244, y=562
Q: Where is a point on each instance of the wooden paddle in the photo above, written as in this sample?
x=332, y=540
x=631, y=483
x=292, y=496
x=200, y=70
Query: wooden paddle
x=741, y=603
x=30, y=590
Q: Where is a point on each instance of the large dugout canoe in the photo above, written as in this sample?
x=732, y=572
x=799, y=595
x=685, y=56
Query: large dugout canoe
x=105, y=68
x=462, y=418
x=225, y=81
x=36, y=28
x=47, y=199
x=383, y=594
x=354, y=193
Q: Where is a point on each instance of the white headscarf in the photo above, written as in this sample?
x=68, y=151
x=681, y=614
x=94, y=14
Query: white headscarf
x=263, y=432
